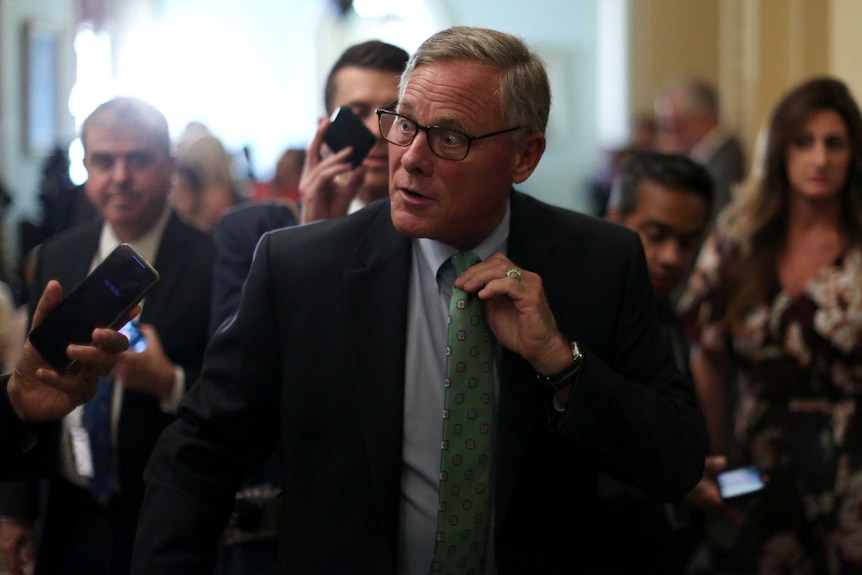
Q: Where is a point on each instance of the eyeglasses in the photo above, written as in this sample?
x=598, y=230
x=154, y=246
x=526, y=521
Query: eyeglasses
x=444, y=142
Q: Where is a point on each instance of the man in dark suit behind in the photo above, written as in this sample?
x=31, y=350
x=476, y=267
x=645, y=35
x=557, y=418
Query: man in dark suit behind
x=338, y=354
x=130, y=166
x=688, y=116
x=365, y=77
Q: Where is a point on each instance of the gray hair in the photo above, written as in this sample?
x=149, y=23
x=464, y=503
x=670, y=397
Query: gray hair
x=697, y=96
x=525, y=93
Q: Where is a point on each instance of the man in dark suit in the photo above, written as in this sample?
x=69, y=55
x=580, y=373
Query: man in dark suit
x=688, y=115
x=666, y=199
x=338, y=355
x=127, y=153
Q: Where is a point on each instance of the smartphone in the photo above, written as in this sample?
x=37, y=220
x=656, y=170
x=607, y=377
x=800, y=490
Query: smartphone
x=137, y=341
x=346, y=129
x=740, y=482
x=102, y=300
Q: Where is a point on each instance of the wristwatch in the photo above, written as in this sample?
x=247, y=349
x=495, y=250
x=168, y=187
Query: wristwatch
x=568, y=375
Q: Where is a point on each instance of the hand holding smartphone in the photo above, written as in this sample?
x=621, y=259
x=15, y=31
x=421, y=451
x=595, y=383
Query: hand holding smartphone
x=347, y=129
x=102, y=300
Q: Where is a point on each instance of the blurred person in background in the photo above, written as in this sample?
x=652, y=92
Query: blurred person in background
x=643, y=134
x=666, y=199
x=774, y=314
x=205, y=187
x=688, y=120
x=88, y=514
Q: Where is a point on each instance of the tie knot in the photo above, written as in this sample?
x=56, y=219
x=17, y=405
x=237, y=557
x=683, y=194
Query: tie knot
x=463, y=260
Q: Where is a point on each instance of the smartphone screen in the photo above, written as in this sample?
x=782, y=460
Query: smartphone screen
x=347, y=129
x=137, y=341
x=101, y=300
x=740, y=482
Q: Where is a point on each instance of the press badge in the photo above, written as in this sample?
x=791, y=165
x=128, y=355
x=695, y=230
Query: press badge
x=81, y=454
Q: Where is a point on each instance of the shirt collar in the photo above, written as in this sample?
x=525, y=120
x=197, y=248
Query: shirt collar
x=708, y=145
x=147, y=245
x=435, y=253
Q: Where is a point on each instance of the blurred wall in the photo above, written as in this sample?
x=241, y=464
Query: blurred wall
x=20, y=168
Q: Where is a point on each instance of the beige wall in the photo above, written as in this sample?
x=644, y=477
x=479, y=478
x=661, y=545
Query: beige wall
x=845, y=42
x=769, y=46
x=670, y=38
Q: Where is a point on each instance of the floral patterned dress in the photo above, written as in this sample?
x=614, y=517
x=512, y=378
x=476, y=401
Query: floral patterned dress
x=796, y=398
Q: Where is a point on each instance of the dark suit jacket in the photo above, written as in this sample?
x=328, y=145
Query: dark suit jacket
x=16, y=438
x=235, y=237
x=315, y=360
x=178, y=307
x=726, y=165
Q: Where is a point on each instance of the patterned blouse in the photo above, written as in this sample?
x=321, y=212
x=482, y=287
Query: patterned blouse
x=796, y=394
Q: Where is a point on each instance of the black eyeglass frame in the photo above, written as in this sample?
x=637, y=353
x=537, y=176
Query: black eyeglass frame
x=419, y=127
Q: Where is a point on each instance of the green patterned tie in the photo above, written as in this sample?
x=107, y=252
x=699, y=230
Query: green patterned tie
x=464, y=510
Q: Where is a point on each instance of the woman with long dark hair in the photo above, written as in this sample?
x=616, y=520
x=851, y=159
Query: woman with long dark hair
x=774, y=311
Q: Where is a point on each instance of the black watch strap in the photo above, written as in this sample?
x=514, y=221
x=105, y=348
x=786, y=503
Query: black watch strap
x=568, y=375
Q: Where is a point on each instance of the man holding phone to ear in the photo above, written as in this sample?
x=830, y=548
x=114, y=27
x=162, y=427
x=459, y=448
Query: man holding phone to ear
x=91, y=508
x=364, y=78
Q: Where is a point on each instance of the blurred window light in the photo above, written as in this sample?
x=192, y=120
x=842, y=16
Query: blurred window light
x=384, y=8
x=93, y=85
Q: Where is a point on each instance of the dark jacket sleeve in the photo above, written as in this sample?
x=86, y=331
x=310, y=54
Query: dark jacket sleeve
x=16, y=437
x=226, y=427
x=640, y=418
x=236, y=237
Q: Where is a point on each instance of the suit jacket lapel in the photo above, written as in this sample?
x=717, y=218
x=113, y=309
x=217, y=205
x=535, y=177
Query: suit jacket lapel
x=376, y=292
x=168, y=263
x=520, y=403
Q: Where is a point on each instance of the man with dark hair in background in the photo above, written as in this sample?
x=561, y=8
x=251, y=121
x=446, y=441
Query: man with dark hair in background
x=666, y=199
x=365, y=78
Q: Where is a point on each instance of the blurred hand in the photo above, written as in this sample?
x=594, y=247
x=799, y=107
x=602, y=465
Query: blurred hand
x=706, y=494
x=149, y=371
x=17, y=543
x=37, y=392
